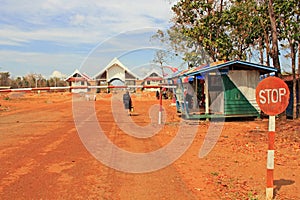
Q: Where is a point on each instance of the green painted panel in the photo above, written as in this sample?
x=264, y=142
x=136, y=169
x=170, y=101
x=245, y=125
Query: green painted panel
x=235, y=102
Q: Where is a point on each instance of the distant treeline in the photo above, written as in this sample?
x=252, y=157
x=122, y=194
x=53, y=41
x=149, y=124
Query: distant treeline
x=30, y=81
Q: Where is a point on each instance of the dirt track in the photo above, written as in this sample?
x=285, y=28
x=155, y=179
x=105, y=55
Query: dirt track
x=42, y=156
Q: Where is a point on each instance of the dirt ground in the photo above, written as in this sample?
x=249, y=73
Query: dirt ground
x=43, y=157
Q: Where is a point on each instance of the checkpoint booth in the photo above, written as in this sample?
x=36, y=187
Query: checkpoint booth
x=220, y=89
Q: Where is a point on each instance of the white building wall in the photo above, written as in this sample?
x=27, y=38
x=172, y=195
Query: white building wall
x=246, y=81
x=79, y=83
x=116, y=72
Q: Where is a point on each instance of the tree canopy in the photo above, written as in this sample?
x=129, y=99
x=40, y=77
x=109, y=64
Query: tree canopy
x=211, y=30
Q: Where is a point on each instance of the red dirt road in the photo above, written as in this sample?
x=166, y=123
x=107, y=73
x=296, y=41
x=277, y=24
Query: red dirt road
x=42, y=156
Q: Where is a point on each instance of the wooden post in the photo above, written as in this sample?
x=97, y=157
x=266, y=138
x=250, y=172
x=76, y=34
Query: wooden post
x=196, y=105
x=206, y=95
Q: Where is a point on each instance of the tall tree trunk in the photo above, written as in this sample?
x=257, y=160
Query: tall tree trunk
x=261, y=50
x=261, y=43
x=293, y=58
x=299, y=58
x=268, y=51
x=299, y=74
x=221, y=6
x=274, y=51
x=267, y=42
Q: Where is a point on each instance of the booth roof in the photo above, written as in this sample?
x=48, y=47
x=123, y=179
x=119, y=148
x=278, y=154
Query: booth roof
x=230, y=65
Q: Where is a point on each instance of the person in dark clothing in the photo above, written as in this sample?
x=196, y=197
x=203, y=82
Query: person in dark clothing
x=189, y=99
x=157, y=94
x=127, y=102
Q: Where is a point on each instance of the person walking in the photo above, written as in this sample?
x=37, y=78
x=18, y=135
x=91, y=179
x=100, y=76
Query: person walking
x=127, y=102
x=157, y=94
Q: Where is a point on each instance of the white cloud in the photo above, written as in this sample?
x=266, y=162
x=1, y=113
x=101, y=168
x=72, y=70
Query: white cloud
x=78, y=19
x=9, y=42
x=58, y=74
x=103, y=17
x=19, y=63
x=53, y=5
x=71, y=24
x=54, y=34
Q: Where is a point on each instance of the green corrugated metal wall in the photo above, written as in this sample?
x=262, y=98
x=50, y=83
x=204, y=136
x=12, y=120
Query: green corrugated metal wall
x=235, y=102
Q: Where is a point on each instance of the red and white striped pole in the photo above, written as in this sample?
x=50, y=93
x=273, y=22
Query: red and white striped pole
x=272, y=96
x=270, y=158
x=160, y=106
x=85, y=87
x=94, y=87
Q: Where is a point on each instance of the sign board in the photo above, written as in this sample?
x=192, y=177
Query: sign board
x=272, y=95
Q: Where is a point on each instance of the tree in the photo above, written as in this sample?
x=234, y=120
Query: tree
x=4, y=79
x=198, y=27
x=298, y=71
x=264, y=24
x=289, y=31
x=207, y=30
x=229, y=29
x=210, y=30
x=30, y=80
x=243, y=24
x=274, y=51
x=56, y=82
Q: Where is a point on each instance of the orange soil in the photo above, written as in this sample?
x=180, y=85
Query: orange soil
x=42, y=156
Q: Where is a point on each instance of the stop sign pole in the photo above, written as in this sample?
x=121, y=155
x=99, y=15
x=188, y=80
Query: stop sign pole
x=272, y=96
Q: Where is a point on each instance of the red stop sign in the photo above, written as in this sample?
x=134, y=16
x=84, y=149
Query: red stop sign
x=272, y=95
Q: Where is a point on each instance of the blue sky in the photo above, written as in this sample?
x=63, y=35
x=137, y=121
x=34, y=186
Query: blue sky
x=42, y=36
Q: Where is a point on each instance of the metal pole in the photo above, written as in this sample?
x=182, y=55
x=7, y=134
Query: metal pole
x=160, y=106
x=270, y=158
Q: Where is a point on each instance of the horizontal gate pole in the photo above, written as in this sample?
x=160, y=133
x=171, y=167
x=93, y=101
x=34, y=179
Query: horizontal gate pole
x=86, y=87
